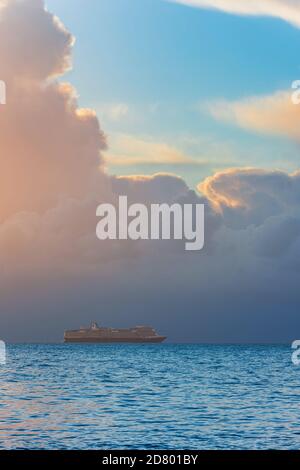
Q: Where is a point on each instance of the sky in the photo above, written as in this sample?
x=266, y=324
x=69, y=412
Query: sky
x=162, y=101
x=151, y=69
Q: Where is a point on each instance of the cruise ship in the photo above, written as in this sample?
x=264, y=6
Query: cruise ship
x=96, y=334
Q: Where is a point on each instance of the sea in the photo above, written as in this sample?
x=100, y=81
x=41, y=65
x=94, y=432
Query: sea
x=158, y=397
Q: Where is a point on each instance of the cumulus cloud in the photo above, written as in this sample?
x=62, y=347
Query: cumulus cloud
x=50, y=149
x=273, y=114
x=161, y=187
x=251, y=196
x=34, y=45
x=287, y=10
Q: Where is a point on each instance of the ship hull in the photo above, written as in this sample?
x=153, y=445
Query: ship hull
x=158, y=339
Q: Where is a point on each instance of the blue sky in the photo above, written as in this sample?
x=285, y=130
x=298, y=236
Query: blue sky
x=149, y=67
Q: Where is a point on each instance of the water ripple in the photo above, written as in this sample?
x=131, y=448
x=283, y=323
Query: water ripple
x=149, y=396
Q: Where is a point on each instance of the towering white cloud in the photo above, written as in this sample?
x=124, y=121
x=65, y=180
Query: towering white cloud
x=287, y=10
x=50, y=149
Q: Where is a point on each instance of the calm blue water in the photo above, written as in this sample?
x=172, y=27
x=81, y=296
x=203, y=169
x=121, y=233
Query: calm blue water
x=149, y=397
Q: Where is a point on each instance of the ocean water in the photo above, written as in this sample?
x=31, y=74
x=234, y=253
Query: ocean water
x=149, y=397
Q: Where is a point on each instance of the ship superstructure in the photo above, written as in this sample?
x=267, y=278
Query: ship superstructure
x=96, y=334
